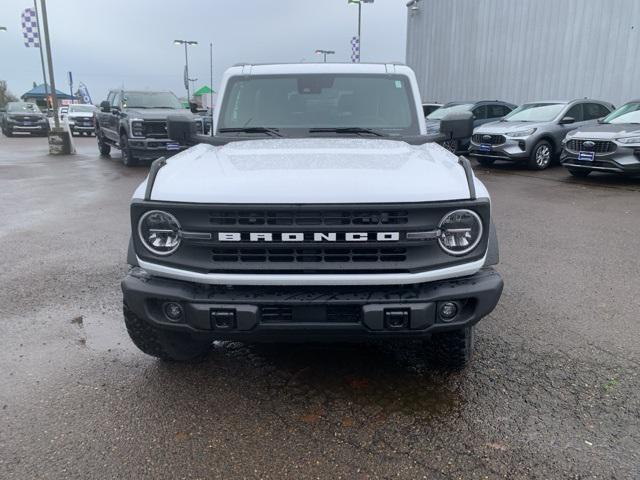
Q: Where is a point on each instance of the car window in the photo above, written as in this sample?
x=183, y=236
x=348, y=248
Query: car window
x=115, y=100
x=628, y=113
x=593, y=111
x=535, y=112
x=442, y=112
x=575, y=112
x=110, y=97
x=312, y=101
x=480, y=113
x=498, y=111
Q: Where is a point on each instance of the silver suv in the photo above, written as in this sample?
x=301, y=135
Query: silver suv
x=533, y=133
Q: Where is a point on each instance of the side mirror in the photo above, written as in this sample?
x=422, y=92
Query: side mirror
x=181, y=128
x=456, y=126
x=105, y=107
x=193, y=107
x=567, y=121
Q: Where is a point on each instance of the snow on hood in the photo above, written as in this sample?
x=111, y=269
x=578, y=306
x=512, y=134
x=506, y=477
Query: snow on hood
x=312, y=171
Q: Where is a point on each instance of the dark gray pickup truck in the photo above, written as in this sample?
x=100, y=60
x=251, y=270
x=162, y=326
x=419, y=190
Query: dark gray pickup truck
x=136, y=123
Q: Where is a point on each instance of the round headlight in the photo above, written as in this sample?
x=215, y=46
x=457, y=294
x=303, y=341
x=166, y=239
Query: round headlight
x=460, y=232
x=160, y=232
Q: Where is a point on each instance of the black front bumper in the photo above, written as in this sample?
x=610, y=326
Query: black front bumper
x=624, y=161
x=150, y=149
x=311, y=313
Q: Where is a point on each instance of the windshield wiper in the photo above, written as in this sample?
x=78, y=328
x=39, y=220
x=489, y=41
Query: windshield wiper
x=357, y=130
x=269, y=131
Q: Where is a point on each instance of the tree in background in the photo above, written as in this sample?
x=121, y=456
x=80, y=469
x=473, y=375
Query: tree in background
x=5, y=95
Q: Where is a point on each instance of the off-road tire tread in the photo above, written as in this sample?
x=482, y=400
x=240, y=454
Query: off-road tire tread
x=158, y=343
x=450, y=350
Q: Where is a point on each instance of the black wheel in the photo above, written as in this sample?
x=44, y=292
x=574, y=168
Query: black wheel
x=450, y=350
x=541, y=156
x=7, y=132
x=164, y=344
x=127, y=159
x=485, y=162
x=105, y=148
x=579, y=172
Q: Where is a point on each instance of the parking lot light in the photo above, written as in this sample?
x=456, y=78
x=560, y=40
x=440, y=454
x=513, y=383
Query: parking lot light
x=186, y=44
x=325, y=53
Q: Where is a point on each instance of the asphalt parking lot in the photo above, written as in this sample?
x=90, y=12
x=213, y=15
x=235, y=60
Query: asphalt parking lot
x=554, y=391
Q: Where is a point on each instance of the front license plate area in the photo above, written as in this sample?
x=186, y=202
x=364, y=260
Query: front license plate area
x=173, y=146
x=586, y=156
x=485, y=147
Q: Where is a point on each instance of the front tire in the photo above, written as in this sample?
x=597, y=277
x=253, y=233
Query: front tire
x=7, y=132
x=105, y=148
x=450, y=350
x=541, y=156
x=164, y=344
x=578, y=172
x=128, y=159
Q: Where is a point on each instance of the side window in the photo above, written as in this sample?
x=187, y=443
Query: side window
x=498, y=111
x=110, y=97
x=593, y=111
x=115, y=100
x=576, y=113
x=480, y=112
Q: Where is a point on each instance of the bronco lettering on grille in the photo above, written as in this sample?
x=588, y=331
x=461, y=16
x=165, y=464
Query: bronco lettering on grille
x=308, y=237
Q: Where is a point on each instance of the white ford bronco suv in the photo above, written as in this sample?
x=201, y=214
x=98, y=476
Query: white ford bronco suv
x=319, y=211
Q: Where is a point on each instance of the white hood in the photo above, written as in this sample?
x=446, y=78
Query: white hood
x=312, y=171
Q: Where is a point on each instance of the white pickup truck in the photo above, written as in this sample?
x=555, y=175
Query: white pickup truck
x=318, y=211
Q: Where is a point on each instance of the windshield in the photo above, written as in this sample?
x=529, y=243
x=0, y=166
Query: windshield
x=629, y=113
x=447, y=109
x=535, y=112
x=303, y=102
x=22, y=107
x=150, y=100
x=82, y=108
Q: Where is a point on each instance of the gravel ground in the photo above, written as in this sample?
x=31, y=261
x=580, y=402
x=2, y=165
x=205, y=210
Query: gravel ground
x=554, y=390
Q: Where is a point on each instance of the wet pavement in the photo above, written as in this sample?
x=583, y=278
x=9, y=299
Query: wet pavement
x=554, y=390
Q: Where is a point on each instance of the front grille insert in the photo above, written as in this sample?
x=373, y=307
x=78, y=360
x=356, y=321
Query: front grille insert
x=490, y=140
x=155, y=128
x=308, y=218
x=309, y=255
x=599, y=146
x=311, y=314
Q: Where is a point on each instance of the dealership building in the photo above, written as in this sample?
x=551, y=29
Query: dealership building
x=525, y=50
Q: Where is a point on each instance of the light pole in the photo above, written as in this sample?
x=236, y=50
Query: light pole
x=360, y=2
x=325, y=53
x=186, y=43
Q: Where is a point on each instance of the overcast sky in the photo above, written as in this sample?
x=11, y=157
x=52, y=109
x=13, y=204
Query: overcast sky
x=129, y=42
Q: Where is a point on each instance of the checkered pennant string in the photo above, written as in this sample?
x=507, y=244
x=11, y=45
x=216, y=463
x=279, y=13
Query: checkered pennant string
x=355, y=50
x=30, y=28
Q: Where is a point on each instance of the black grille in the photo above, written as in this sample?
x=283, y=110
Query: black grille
x=280, y=314
x=155, y=128
x=309, y=255
x=239, y=238
x=490, y=139
x=84, y=121
x=299, y=217
x=599, y=146
x=311, y=314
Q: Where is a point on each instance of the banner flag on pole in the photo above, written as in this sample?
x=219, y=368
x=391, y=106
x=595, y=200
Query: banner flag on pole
x=355, y=50
x=30, y=28
x=84, y=93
